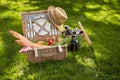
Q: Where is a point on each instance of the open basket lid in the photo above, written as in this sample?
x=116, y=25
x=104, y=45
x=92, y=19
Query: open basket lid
x=36, y=26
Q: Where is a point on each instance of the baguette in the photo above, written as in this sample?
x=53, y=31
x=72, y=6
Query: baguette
x=24, y=41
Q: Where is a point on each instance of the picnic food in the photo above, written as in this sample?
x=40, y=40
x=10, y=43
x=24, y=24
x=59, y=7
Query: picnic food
x=85, y=34
x=42, y=43
x=50, y=41
x=24, y=41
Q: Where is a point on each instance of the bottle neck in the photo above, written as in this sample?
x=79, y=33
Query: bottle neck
x=73, y=37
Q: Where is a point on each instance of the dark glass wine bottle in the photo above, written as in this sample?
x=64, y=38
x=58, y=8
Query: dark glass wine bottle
x=74, y=44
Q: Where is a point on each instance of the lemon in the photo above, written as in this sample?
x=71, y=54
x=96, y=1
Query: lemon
x=41, y=43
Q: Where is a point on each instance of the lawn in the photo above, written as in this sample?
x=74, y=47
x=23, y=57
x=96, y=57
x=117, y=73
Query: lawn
x=101, y=61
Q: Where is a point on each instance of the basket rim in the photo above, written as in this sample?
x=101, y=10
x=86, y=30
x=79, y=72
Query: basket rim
x=33, y=12
x=64, y=45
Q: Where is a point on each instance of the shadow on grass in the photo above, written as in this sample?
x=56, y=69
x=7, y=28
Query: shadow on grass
x=4, y=7
x=105, y=38
x=8, y=48
x=74, y=67
x=8, y=53
x=97, y=62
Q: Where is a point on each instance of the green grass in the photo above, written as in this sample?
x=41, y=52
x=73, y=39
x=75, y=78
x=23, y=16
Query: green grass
x=101, y=61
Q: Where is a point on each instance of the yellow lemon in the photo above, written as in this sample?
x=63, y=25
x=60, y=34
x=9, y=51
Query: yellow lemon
x=41, y=43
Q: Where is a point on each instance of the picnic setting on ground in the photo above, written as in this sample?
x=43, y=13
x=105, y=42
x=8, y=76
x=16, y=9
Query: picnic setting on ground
x=59, y=40
x=44, y=28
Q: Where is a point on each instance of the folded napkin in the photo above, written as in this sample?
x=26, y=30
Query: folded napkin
x=24, y=49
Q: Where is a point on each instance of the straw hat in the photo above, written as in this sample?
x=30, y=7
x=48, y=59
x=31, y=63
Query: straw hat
x=57, y=16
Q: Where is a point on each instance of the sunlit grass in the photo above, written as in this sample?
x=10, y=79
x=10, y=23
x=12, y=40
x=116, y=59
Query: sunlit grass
x=105, y=14
x=1, y=46
x=19, y=5
x=101, y=20
x=92, y=5
x=87, y=62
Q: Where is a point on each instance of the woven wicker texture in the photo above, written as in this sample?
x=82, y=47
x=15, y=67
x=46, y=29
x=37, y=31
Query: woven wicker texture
x=37, y=27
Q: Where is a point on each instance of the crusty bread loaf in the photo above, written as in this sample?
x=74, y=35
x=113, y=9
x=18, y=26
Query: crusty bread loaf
x=24, y=41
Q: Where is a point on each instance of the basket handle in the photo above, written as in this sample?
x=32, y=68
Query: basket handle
x=60, y=48
x=43, y=55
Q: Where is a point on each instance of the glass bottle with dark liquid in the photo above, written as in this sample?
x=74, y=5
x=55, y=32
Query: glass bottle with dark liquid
x=74, y=44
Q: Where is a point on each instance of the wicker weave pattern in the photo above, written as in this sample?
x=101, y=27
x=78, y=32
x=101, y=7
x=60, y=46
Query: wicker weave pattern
x=44, y=54
x=57, y=56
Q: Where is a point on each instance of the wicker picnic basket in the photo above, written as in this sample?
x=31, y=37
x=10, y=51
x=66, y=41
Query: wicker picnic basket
x=37, y=27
